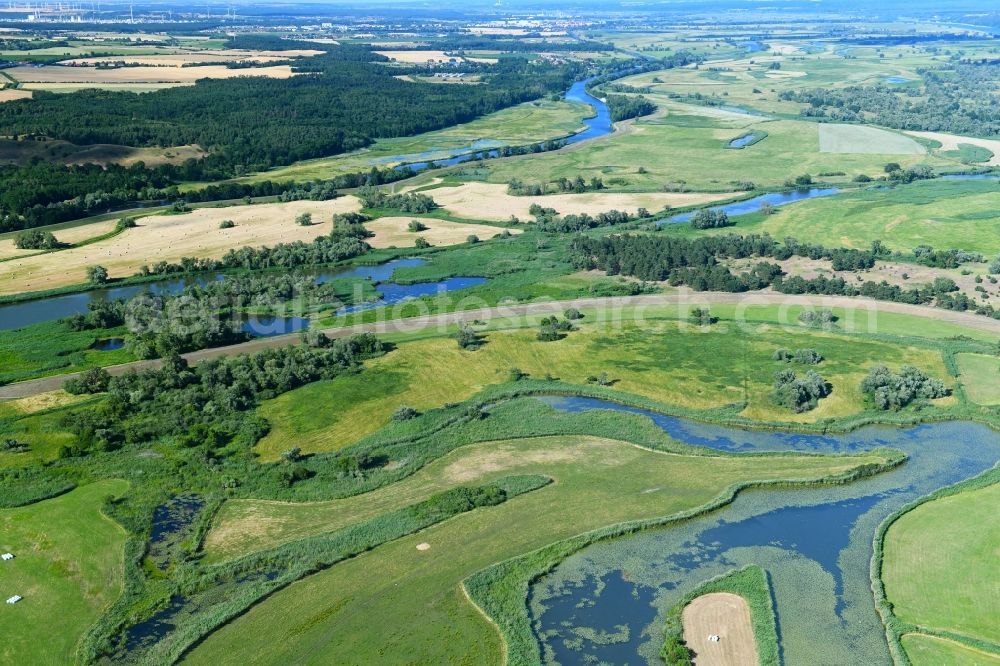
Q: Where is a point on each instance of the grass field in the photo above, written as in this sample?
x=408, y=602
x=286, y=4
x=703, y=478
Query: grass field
x=393, y=231
x=980, y=375
x=491, y=201
x=171, y=237
x=67, y=566
x=519, y=125
x=952, y=142
x=931, y=651
x=942, y=213
x=363, y=610
x=940, y=564
x=835, y=138
x=697, y=157
x=667, y=363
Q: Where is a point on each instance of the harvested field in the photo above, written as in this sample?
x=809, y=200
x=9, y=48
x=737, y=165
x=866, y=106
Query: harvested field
x=489, y=201
x=73, y=235
x=952, y=141
x=392, y=231
x=724, y=615
x=424, y=56
x=171, y=237
x=64, y=152
x=10, y=94
x=99, y=77
x=180, y=59
x=863, y=140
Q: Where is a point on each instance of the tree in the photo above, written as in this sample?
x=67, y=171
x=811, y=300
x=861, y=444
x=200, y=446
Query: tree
x=97, y=274
x=767, y=209
x=227, y=224
x=701, y=317
x=707, y=218
x=304, y=220
x=468, y=338
x=421, y=243
x=472, y=239
x=573, y=314
x=36, y=240
x=292, y=454
x=416, y=226
x=94, y=380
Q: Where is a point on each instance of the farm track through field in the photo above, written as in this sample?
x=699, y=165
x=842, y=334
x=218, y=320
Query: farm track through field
x=443, y=320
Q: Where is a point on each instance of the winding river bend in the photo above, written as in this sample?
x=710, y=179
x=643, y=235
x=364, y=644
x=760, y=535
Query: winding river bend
x=607, y=602
x=598, y=125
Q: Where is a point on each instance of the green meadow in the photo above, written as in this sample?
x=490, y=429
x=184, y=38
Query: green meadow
x=68, y=568
x=940, y=561
x=932, y=651
x=962, y=214
x=526, y=123
x=668, y=362
x=362, y=610
x=698, y=158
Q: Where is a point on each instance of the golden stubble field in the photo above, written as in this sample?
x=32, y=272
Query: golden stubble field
x=171, y=237
x=727, y=616
x=57, y=74
x=394, y=231
x=488, y=201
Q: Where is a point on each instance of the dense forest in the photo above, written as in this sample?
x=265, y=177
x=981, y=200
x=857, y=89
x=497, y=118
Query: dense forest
x=961, y=99
x=341, y=100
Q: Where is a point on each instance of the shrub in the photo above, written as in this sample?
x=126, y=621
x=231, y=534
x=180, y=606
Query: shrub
x=421, y=243
x=472, y=239
x=405, y=413
x=822, y=318
x=573, y=314
x=227, y=224
x=304, y=220
x=468, y=338
x=416, y=225
x=887, y=390
x=799, y=395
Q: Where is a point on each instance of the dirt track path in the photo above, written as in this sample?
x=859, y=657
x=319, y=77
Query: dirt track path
x=513, y=313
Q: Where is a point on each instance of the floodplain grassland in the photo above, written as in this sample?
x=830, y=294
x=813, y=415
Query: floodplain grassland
x=939, y=565
x=695, y=158
x=944, y=214
x=980, y=376
x=924, y=650
x=523, y=124
x=722, y=614
x=348, y=613
x=171, y=237
x=952, y=142
x=68, y=568
x=668, y=362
